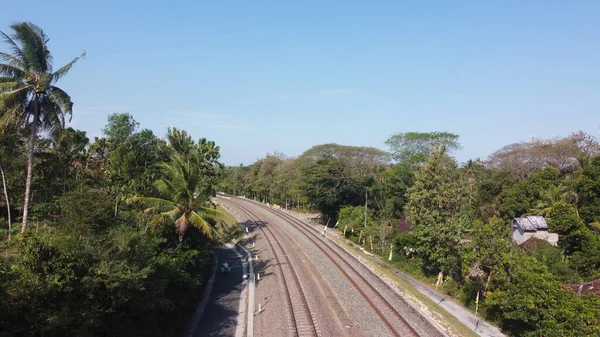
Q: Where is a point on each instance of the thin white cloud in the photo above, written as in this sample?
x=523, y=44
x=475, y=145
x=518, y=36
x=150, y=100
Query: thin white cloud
x=336, y=91
x=287, y=96
x=200, y=115
x=232, y=127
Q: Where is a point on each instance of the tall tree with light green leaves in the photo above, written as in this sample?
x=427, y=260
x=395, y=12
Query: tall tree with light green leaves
x=28, y=96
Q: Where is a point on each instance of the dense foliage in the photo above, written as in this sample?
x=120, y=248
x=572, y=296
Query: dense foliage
x=440, y=216
x=97, y=263
x=116, y=233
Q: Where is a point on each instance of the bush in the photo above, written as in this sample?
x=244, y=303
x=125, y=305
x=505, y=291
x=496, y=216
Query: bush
x=128, y=283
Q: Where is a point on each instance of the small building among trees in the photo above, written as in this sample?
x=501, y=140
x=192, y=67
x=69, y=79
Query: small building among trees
x=532, y=227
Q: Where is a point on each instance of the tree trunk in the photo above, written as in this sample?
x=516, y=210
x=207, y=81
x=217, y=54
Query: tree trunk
x=487, y=283
x=32, y=138
x=7, y=203
x=117, y=204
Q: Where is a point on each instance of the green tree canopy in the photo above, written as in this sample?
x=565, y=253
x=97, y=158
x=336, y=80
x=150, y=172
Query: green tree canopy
x=413, y=148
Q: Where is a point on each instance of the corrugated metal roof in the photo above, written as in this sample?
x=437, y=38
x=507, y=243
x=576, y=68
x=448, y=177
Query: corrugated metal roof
x=531, y=223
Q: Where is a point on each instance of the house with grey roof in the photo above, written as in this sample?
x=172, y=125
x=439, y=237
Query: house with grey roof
x=532, y=227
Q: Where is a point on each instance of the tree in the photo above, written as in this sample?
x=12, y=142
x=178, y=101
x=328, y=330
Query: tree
x=179, y=141
x=120, y=127
x=534, y=301
x=264, y=183
x=354, y=218
x=525, y=158
x=518, y=197
x=69, y=146
x=489, y=251
x=131, y=156
x=27, y=94
x=234, y=180
x=434, y=209
x=413, y=148
x=335, y=175
x=588, y=188
x=471, y=171
x=185, y=192
x=553, y=195
x=563, y=219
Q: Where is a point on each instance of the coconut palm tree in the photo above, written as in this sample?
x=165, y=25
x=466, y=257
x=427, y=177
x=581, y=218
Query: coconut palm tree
x=184, y=200
x=552, y=195
x=28, y=97
x=179, y=141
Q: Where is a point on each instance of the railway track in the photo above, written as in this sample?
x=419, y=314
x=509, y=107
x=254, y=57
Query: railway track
x=302, y=322
x=390, y=317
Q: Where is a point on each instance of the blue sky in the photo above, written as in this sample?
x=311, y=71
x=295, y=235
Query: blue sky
x=264, y=76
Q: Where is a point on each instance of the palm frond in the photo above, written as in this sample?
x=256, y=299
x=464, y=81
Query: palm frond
x=164, y=187
x=199, y=222
x=62, y=100
x=158, y=203
x=13, y=105
x=172, y=214
x=33, y=46
x=65, y=69
x=212, y=212
x=12, y=117
x=7, y=85
x=8, y=94
x=12, y=61
x=11, y=71
x=52, y=116
x=16, y=50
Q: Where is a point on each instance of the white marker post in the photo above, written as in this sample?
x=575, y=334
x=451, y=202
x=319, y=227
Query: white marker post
x=477, y=303
x=345, y=227
x=391, y=250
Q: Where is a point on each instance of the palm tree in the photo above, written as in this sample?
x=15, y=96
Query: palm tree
x=185, y=202
x=179, y=141
x=27, y=94
x=553, y=195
